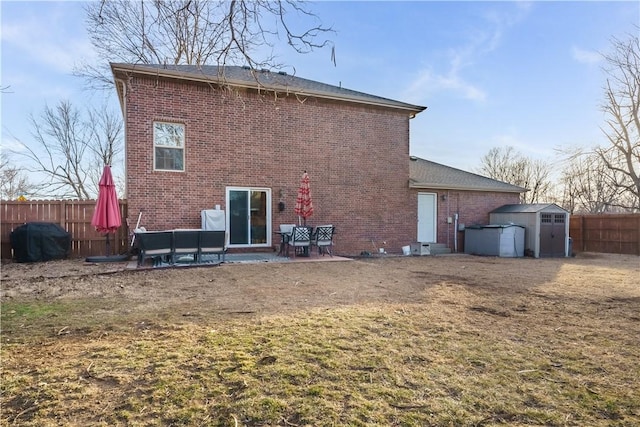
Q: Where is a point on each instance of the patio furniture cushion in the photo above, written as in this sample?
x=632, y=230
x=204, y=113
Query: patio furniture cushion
x=212, y=242
x=153, y=244
x=185, y=242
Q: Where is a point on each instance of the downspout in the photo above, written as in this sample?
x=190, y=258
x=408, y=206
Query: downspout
x=123, y=107
x=448, y=223
x=455, y=232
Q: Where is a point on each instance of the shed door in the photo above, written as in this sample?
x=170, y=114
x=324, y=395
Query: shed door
x=427, y=215
x=552, y=235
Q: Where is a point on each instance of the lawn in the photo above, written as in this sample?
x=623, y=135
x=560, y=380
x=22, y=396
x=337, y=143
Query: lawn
x=407, y=341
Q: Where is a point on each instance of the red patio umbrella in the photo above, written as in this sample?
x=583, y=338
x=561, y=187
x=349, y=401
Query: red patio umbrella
x=304, y=205
x=106, y=218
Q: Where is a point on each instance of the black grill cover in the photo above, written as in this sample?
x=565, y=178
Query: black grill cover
x=40, y=241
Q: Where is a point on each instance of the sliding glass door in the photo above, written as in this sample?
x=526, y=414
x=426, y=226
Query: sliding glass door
x=249, y=216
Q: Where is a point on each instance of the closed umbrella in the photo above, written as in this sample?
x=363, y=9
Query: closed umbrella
x=106, y=218
x=304, y=205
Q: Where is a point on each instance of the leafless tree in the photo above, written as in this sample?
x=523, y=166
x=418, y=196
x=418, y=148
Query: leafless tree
x=13, y=180
x=71, y=150
x=506, y=165
x=197, y=32
x=622, y=126
x=589, y=185
x=106, y=142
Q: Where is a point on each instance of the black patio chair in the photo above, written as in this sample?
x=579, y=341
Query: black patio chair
x=323, y=239
x=300, y=240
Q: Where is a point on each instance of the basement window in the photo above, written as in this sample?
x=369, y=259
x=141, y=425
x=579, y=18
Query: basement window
x=168, y=146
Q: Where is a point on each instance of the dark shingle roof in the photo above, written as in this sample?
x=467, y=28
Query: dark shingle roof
x=262, y=79
x=426, y=174
x=529, y=208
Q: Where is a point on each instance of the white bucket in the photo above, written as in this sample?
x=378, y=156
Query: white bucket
x=406, y=250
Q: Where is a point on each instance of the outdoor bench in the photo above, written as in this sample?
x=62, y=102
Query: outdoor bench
x=171, y=244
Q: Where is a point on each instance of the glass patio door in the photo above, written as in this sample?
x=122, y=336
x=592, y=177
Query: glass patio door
x=249, y=217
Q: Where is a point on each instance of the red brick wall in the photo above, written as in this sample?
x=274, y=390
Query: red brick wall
x=356, y=156
x=472, y=207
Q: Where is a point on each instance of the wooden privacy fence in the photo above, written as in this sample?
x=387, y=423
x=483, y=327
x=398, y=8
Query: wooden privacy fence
x=617, y=234
x=72, y=215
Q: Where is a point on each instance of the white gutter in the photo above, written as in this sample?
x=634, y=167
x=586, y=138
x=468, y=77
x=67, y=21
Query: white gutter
x=123, y=107
x=257, y=86
x=424, y=185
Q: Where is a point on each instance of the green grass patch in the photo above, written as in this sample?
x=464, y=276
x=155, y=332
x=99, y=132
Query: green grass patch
x=34, y=320
x=17, y=311
x=360, y=366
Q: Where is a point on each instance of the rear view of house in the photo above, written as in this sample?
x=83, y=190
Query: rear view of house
x=197, y=139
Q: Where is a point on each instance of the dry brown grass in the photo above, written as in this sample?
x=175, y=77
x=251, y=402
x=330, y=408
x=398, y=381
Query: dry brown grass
x=401, y=341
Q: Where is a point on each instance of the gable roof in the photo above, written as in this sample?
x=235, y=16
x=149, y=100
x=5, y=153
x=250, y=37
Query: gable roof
x=261, y=80
x=530, y=208
x=426, y=174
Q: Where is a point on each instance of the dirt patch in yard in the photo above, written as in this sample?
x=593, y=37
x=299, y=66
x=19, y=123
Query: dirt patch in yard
x=269, y=288
x=444, y=340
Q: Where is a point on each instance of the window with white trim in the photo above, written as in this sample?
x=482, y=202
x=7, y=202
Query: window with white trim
x=168, y=146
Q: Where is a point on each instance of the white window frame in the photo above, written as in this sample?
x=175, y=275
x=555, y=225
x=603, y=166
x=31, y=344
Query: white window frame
x=156, y=145
x=268, y=219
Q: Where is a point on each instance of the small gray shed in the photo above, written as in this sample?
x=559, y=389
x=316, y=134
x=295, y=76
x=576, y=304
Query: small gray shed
x=546, y=227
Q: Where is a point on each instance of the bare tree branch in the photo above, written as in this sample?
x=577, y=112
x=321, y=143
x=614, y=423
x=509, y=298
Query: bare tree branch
x=13, y=181
x=197, y=32
x=506, y=165
x=590, y=186
x=622, y=127
x=70, y=150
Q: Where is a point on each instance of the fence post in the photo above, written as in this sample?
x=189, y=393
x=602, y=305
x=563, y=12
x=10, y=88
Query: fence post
x=638, y=237
x=583, y=233
x=63, y=214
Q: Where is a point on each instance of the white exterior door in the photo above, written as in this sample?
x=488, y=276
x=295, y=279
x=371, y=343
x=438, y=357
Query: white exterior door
x=427, y=217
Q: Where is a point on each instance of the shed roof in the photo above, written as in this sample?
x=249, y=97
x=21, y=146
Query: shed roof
x=530, y=208
x=427, y=174
x=261, y=80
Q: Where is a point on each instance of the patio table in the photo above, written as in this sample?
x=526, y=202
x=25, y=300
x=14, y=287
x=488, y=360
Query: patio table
x=284, y=238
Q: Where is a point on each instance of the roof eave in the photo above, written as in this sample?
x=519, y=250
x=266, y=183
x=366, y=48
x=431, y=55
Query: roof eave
x=426, y=185
x=120, y=90
x=126, y=68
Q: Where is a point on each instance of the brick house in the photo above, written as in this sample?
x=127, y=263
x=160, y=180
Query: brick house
x=450, y=197
x=195, y=140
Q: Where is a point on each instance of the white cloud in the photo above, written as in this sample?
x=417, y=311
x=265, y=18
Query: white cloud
x=428, y=82
x=482, y=41
x=499, y=22
x=49, y=39
x=527, y=147
x=585, y=56
x=10, y=144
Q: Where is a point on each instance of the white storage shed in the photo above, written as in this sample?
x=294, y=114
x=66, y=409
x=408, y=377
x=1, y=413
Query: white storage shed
x=546, y=227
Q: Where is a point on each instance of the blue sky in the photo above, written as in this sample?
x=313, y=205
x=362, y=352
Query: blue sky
x=525, y=74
